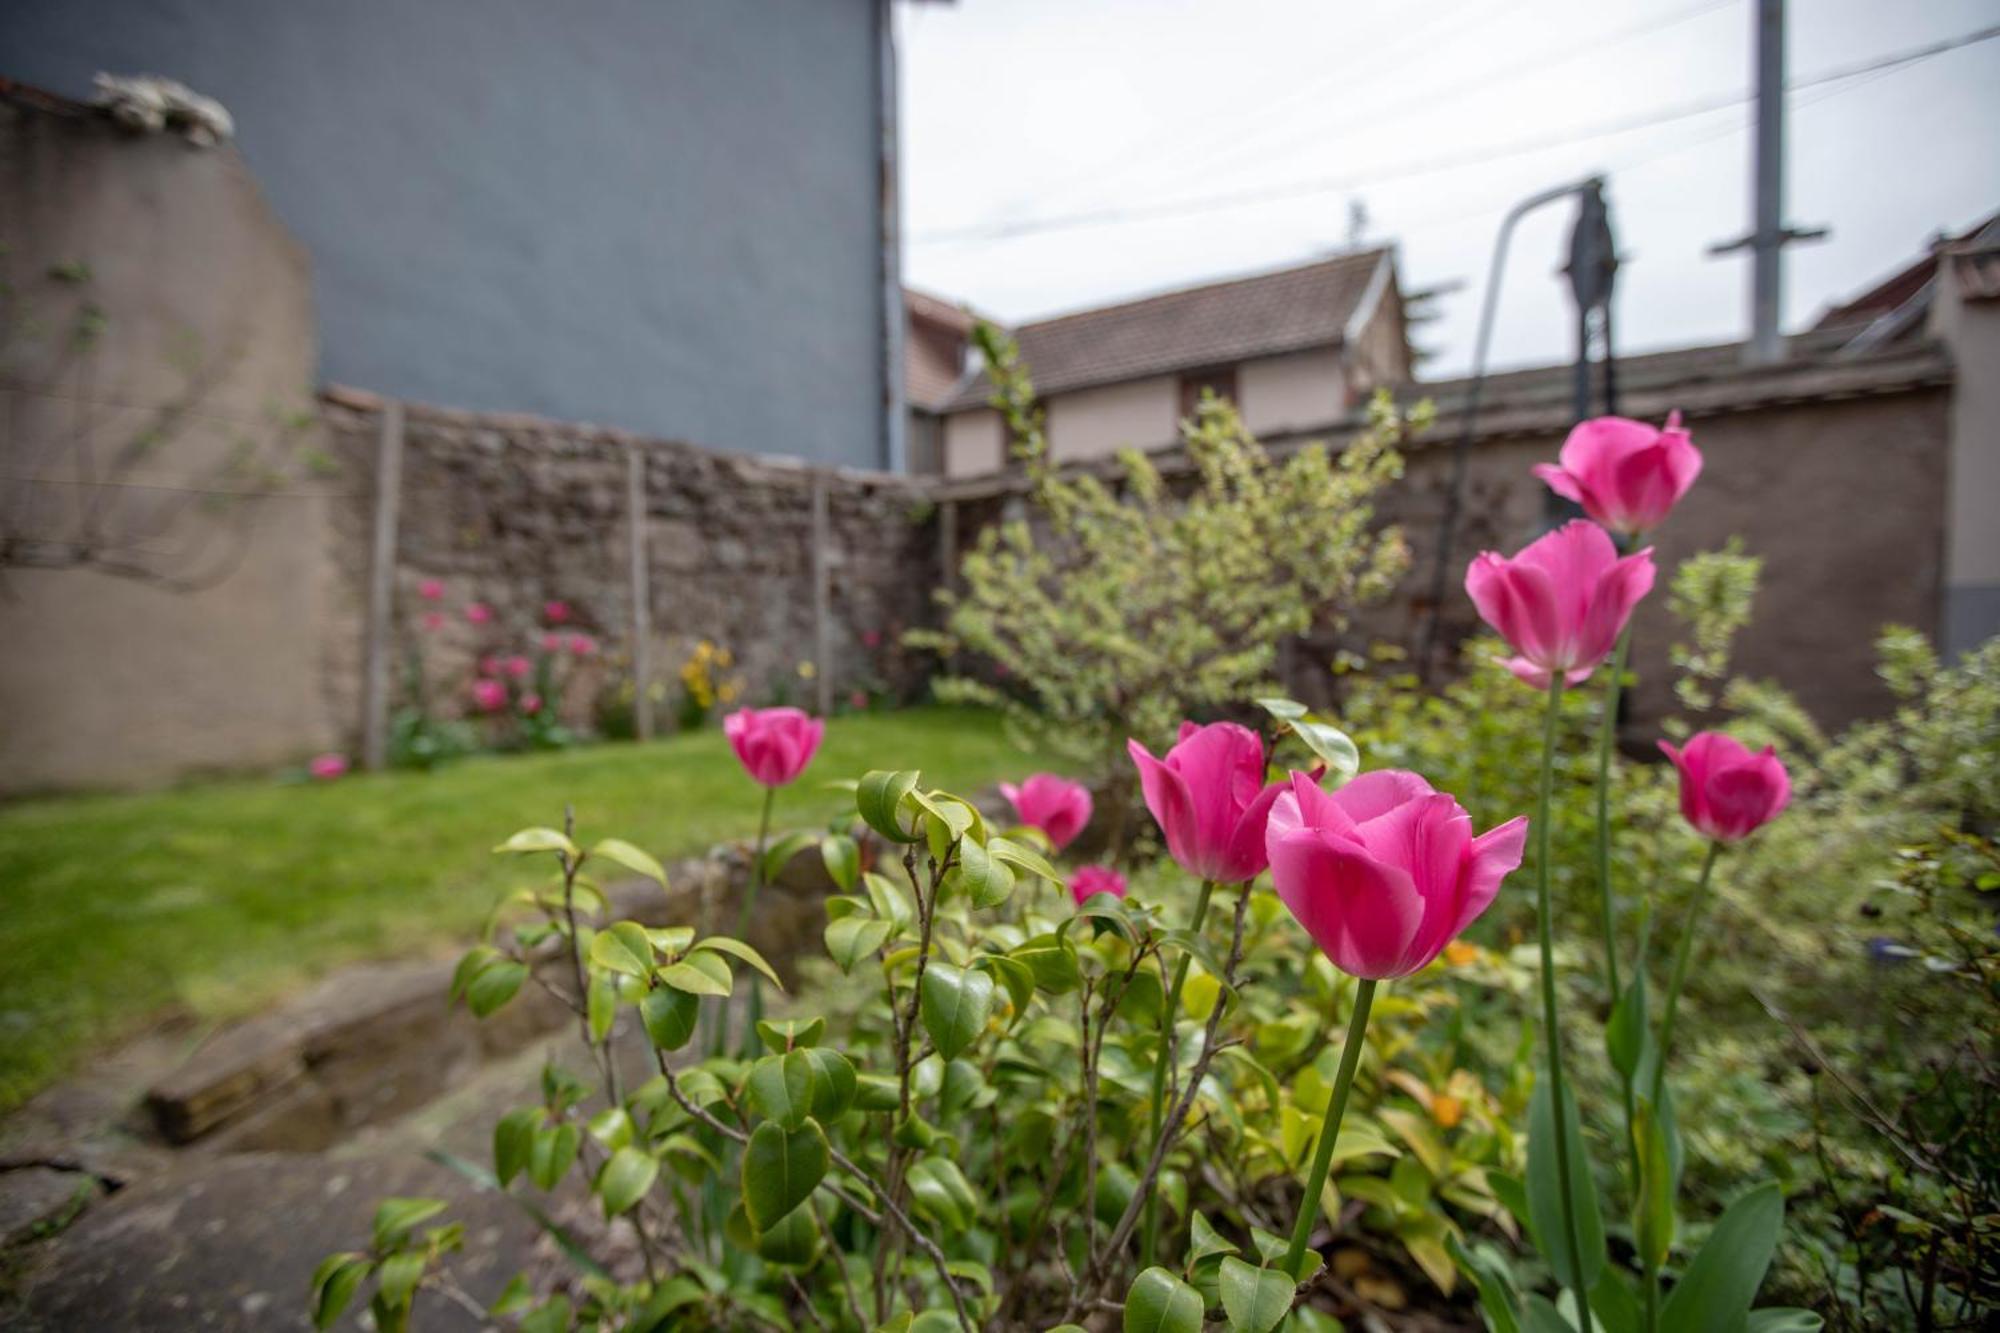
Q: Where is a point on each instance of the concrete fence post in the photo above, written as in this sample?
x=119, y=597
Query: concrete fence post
x=381, y=588
x=821, y=595
x=642, y=594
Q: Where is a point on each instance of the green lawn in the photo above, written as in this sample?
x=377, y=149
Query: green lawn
x=216, y=898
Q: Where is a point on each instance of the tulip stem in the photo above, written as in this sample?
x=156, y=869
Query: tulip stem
x=743, y=919
x=1552, y=1031
x=1682, y=952
x=1336, y=1107
x=1606, y=740
x=1149, y=1235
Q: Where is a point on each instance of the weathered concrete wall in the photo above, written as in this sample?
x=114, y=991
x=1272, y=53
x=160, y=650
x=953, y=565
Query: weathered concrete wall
x=1280, y=394
x=160, y=339
x=660, y=214
x=515, y=512
x=1972, y=551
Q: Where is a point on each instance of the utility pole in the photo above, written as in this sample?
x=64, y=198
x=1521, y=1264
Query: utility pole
x=1770, y=235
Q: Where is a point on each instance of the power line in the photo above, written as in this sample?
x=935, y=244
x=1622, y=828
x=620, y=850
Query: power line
x=1443, y=162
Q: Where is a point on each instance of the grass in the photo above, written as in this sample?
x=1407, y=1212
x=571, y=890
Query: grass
x=216, y=899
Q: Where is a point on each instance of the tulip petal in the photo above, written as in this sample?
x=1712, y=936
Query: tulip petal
x=1168, y=799
x=1563, y=483
x=1372, y=795
x=1611, y=603
x=1361, y=912
x=1495, y=854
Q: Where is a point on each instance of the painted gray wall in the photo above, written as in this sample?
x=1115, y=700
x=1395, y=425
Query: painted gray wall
x=655, y=214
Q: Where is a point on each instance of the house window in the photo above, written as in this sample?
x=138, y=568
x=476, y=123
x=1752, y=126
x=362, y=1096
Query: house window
x=1221, y=379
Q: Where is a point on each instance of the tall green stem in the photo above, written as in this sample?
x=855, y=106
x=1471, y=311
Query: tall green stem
x=1149, y=1234
x=1682, y=952
x=744, y=917
x=1552, y=1032
x=1606, y=741
x=1350, y=1059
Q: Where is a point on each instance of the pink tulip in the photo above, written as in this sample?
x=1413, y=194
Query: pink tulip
x=552, y=643
x=555, y=612
x=1088, y=881
x=489, y=665
x=1385, y=872
x=1727, y=792
x=478, y=613
x=774, y=744
x=1056, y=806
x=531, y=703
x=581, y=645
x=433, y=621
x=1209, y=798
x=431, y=590
x=871, y=638
x=1562, y=602
x=489, y=696
x=327, y=767
x=1625, y=474
x=518, y=666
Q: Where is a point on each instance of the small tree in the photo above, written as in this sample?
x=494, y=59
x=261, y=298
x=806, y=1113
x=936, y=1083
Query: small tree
x=1120, y=608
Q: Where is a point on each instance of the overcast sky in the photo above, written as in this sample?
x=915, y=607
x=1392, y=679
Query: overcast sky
x=1104, y=140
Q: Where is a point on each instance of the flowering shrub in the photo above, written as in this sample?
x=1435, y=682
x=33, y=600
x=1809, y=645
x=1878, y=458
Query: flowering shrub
x=1119, y=609
x=1041, y=1099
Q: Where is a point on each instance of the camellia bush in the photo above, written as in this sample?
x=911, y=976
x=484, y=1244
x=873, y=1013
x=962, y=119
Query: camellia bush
x=1056, y=1098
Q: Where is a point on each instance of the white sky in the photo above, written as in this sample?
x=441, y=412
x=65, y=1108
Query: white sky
x=1020, y=111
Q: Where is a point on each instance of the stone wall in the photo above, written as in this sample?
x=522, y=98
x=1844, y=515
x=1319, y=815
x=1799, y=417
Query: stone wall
x=515, y=512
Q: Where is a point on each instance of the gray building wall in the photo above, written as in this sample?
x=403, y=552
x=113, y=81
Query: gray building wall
x=662, y=215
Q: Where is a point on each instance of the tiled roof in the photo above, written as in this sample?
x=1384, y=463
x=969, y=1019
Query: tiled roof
x=1219, y=324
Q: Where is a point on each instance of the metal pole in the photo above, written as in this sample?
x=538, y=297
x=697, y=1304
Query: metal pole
x=381, y=588
x=642, y=593
x=1767, y=344
x=895, y=414
x=1461, y=454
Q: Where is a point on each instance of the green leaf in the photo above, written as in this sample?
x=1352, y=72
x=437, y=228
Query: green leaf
x=669, y=1016
x=781, y=1168
x=625, y=854
x=334, y=1286
x=550, y=1318
x=496, y=984
x=780, y=853
x=1783, y=1319
x=1012, y=973
x=1331, y=746
x=984, y=879
x=842, y=859
x=1255, y=1299
x=783, y=1034
x=553, y=1151
x=1052, y=959
x=781, y=1088
x=942, y=1193
x=1545, y=1217
x=539, y=840
x=879, y=799
x=1625, y=1034
x=1159, y=1302
x=395, y=1218
x=1495, y=1281
x=834, y=1082
x=398, y=1277
x=1653, y=1210
x=1285, y=710
x=853, y=938
x=601, y=1006
x=1720, y=1283
x=793, y=1242
x=624, y=948
x=700, y=973
x=890, y=903
x=738, y=949
x=1204, y=1240
x=513, y=1140
x=876, y=1092
x=611, y=1127
x=1024, y=859
x=955, y=1005
x=625, y=1179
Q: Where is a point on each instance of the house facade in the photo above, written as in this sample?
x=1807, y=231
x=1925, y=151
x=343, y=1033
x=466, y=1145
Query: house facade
x=1292, y=348
x=668, y=216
